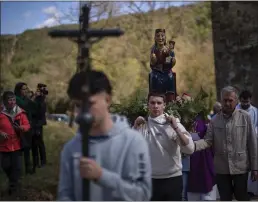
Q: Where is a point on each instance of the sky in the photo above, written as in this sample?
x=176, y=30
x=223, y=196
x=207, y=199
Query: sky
x=16, y=17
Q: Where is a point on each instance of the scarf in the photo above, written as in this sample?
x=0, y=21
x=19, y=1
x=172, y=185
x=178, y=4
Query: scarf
x=156, y=126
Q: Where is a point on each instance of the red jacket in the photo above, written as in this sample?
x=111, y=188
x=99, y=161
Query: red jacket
x=13, y=142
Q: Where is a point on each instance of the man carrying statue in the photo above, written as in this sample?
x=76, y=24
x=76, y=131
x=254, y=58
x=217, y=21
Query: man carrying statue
x=162, y=60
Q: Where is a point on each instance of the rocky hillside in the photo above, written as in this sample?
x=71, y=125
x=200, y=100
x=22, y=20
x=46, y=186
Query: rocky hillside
x=34, y=57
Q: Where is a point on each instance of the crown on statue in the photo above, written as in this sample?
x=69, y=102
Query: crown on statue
x=160, y=30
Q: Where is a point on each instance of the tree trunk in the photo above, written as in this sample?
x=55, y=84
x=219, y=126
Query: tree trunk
x=235, y=41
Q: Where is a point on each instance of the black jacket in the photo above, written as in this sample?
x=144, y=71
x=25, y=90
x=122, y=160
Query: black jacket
x=39, y=118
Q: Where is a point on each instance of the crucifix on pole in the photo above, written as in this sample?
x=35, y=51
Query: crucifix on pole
x=82, y=38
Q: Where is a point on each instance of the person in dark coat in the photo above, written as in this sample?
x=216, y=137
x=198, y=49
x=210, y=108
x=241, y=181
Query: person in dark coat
x=30, y=107
x=38, y=145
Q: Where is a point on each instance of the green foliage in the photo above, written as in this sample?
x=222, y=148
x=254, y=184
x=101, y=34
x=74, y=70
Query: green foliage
x=133, y=107
x=186, y=111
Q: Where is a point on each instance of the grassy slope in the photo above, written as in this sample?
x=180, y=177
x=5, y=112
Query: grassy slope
x=34, y=57
x=43, y=184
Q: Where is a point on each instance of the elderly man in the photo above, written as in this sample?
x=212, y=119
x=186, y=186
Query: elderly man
x=232, y=136
x=166, y=138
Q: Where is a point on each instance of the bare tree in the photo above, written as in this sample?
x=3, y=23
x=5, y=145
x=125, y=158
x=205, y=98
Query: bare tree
x=99, y=11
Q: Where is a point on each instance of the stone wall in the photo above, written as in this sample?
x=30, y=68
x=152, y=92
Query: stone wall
x=235, y=39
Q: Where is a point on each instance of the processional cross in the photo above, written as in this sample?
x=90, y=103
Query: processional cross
x=82, y=38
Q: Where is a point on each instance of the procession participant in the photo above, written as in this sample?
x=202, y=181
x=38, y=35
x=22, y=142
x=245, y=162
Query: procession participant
x=119, y=165
x=216, y=108
x=166, y=138
x=234, y=141
x=245, y=104
x=201, y=179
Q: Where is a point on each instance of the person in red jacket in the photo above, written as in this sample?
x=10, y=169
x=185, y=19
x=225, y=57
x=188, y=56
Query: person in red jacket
x=13, y=123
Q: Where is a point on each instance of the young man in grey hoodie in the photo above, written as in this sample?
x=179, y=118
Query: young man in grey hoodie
x=119, y=164
x=166, y=138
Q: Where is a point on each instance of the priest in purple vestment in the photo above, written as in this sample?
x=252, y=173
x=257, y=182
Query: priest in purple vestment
x=201, y=179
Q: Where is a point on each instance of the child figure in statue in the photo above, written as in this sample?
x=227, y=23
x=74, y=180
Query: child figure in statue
x=162, y=59
x=171, y=46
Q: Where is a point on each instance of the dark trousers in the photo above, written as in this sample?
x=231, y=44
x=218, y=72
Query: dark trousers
x=38, y=148
x=169, y=189
x=11, y=163
x=232, y=184
x=27, y=160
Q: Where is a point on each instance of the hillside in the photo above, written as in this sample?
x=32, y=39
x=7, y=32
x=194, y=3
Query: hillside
x=34, y=57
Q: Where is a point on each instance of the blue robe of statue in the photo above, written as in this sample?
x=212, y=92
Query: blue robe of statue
x=162, y=80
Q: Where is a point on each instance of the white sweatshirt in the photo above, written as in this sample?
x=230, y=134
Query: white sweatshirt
x=164, y=146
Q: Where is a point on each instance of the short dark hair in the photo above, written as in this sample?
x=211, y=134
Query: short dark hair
x=98, y=82
x=7, y=95
x=156, y=94
x=245, y=94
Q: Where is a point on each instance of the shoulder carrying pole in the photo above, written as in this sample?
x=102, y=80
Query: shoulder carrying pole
x=82, y=37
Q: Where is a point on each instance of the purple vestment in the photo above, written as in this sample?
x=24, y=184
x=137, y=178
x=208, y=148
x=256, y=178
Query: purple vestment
x=202, y=176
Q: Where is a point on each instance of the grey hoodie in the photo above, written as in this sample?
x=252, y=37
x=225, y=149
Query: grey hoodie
x=124, y=157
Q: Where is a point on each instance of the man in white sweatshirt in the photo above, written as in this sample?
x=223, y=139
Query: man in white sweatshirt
x=166, y=138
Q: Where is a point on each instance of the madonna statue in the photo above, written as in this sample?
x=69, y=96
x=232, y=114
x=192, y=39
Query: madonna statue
x=162, y=60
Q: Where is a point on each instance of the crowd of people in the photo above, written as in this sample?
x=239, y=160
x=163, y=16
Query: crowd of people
x=22, y=117
x=159, y=159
